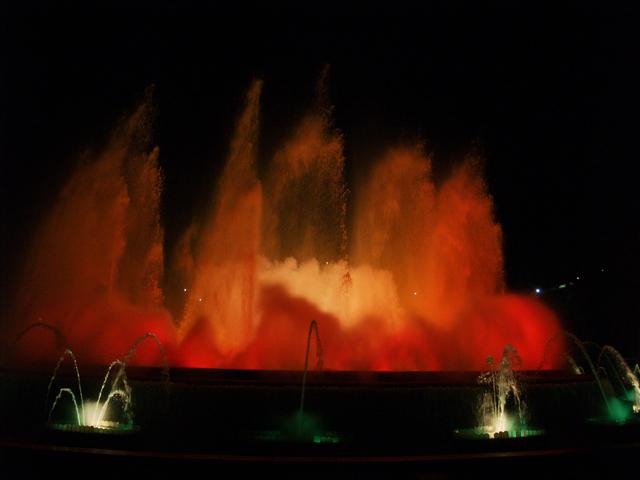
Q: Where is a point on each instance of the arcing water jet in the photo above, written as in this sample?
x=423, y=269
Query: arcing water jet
x=503, y=385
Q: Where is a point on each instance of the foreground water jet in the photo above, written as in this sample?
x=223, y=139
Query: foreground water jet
x=496, y=420
x=66, y=354
x=166, y=377
x=503, y=385
x=304, y=427
x=313, y=327
x=123, y=393
x=625, y=376
x=92, y=416
x=163, y=353
x=60, y=338
x=585, y=355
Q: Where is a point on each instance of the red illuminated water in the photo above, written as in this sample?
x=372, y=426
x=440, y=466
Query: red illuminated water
x=416, y=283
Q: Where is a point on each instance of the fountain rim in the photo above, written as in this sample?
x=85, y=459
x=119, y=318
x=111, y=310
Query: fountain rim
x=113, y=428
x=212, y=376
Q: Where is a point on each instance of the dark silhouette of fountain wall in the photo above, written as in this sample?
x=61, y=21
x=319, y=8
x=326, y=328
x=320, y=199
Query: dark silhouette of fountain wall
x=415, y=283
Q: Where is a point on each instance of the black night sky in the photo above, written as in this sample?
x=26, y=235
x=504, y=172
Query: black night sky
x=546, y=92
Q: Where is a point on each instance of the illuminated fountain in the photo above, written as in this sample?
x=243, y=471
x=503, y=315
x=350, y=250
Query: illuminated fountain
x=409, y=287
x=412, y=279
x=93, y=416
x=627, y=381
x=313, y=327
x=585, y=355
x=501, y=385
x=304, y=427
x=99, y=416
x=621, y=400
x=60, y=339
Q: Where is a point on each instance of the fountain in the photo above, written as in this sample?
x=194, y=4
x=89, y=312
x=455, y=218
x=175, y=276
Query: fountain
x=494, y=418
x=629, y=386
x=139, y=341
x=60, y=338
x=303, y=427
x=94, y=416
x=404, y=272
x=585, y=355
x=409, y=291
x=619, y=401
x=275, y=244
x=313, y=327
x=166, y=377
x=307, y=426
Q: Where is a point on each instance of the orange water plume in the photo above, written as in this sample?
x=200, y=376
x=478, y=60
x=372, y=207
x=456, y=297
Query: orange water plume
x=416, y=284
x=96, y=261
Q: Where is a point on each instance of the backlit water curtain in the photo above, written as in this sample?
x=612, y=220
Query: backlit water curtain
x=400, y=272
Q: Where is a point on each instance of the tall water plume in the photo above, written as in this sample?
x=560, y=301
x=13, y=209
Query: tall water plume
x=223, y=287
x=96, y=261
x=416, y=284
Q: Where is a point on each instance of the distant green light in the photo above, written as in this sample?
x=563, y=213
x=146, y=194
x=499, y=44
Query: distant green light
x=564, y=285
x=326, y=438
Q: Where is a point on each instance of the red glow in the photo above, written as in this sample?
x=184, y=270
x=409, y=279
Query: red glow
x=415, y=284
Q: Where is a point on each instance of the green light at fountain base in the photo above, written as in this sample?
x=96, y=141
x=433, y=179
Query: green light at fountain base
x=311, y=432
x=620, y=411
x=280, y=436
x=327, y=438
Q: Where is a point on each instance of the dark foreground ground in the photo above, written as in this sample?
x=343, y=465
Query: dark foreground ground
x=356, y=425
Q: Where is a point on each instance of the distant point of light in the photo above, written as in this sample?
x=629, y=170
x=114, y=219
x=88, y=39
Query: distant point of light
x=538, y=291
x=564, y=285
x=577, y=278
x=185, y=289
x=602, y=270
x=415, y=294
x=199, y=299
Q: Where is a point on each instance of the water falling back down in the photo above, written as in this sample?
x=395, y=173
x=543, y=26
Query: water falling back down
x=223, y=282
x=415, y=284
x=94, y=267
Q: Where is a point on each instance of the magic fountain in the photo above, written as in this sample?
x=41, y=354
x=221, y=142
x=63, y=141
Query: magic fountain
x=409, y=296
x=495, y=421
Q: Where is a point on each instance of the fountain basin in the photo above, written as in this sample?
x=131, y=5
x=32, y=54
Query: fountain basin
x=248, y=419
x=105, y=428
x=246, y=411
x=487, y=433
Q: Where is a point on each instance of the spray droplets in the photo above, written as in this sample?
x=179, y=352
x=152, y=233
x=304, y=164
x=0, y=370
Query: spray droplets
x=416, y=274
